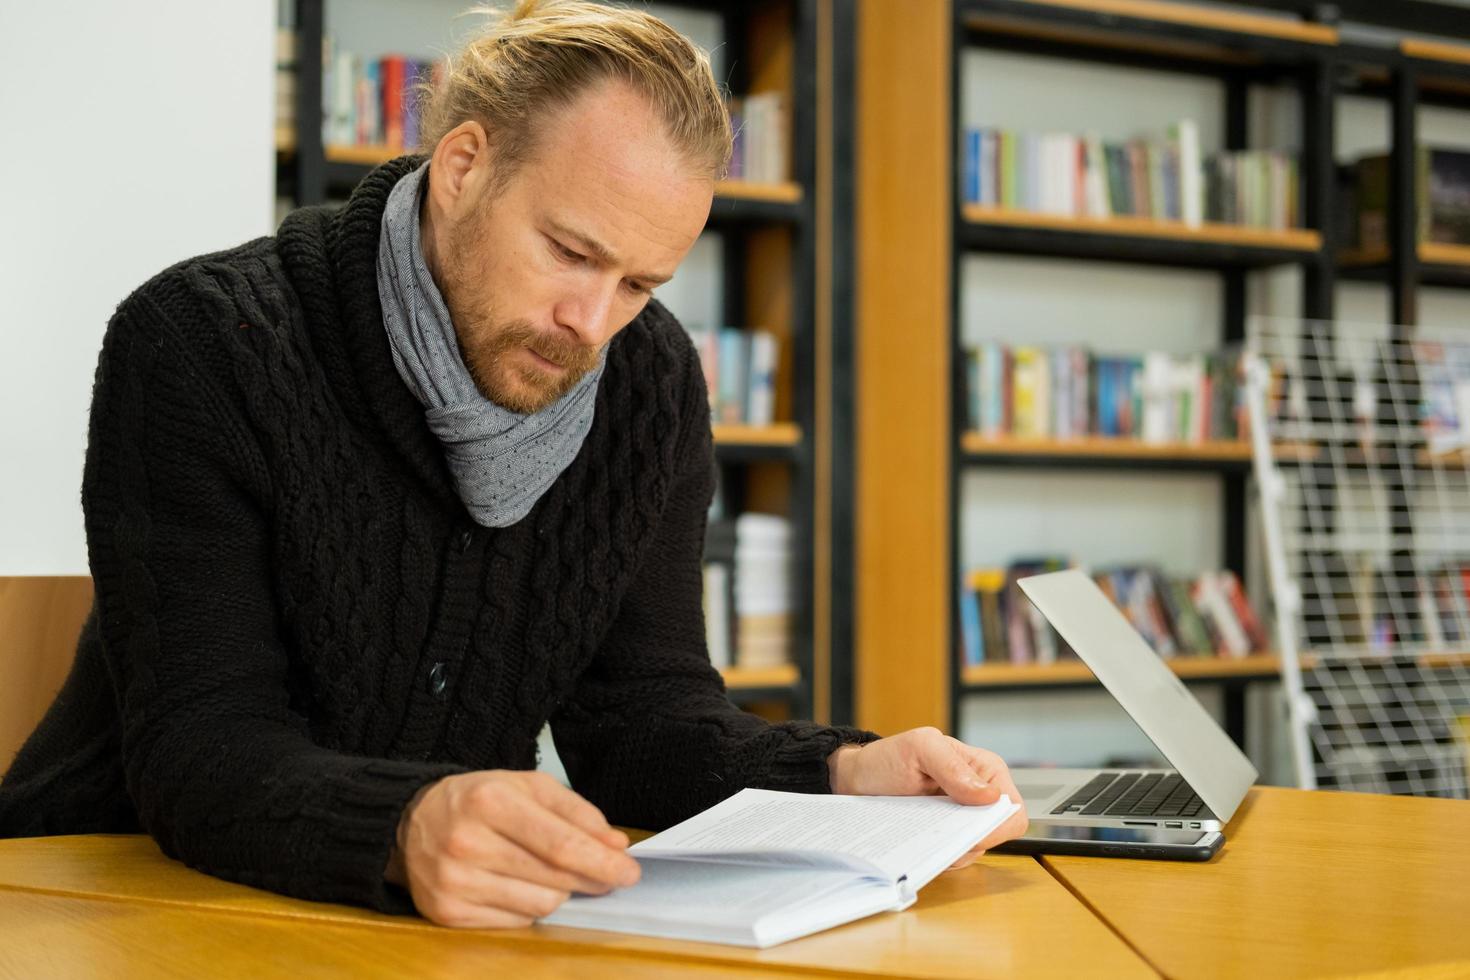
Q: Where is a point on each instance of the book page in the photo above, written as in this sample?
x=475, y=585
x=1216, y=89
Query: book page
x=714, y=902
x=894, y=835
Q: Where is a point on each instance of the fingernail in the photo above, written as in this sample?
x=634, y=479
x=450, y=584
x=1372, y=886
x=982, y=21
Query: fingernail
x=978, y=783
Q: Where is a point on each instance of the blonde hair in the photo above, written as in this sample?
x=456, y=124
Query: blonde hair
x=541, y=55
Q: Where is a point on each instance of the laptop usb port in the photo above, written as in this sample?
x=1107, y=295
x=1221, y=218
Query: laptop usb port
x=1175, y=824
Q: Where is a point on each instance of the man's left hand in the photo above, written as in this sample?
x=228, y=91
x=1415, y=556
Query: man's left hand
x=926, y=762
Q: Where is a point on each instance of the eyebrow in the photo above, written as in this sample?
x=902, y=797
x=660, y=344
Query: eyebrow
x=604, y=254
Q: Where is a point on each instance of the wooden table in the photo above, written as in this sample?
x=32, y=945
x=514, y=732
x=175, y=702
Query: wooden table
x=113, y=906
x=1310, y=884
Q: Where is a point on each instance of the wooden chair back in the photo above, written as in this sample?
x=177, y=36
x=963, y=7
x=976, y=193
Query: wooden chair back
x=40, y=620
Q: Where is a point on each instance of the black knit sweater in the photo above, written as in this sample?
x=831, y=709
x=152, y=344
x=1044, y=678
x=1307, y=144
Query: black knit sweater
x=297, y=624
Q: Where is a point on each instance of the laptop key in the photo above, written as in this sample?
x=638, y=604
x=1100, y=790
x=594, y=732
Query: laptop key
x=1177, y=800
x=1161, y=791
x=1130, y=800
x=1080, y=798
x=1110, y=795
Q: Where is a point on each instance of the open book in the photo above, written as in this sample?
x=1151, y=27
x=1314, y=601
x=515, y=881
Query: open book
x=764, y=867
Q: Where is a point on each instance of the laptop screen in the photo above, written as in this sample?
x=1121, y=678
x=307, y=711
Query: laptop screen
x=1150, y=692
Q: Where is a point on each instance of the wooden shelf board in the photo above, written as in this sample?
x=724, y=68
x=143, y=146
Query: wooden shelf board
x=1190, y=15
x=739, y=190
x=1075, y=671
x=778, y=434
x=788, y=192
x=1001, y=675
x=786, y=675
x=981, y=445
x=1294, y=239
x=1436, y=51
x=1443, y=253
x=1105, y=447
x=1430, y=253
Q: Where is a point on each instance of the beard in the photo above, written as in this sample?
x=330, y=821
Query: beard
x=492, y=348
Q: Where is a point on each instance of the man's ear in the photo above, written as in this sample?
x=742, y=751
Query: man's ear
x=460, y=169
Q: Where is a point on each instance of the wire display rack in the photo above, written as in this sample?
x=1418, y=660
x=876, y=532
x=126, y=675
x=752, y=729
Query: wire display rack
x=1361, y=448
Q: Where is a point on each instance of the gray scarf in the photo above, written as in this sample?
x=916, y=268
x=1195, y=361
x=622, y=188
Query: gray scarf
x=502, y=461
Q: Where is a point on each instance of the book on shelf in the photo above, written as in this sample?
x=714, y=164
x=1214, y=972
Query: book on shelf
x=748, y=600
x=739, y=373
x=1165, y=179
x=1206, y=615
x=373, y=101
x=1355, y=601
x=1442, y=191
x=764, y=867
x=1068, y=392
x=760, y=123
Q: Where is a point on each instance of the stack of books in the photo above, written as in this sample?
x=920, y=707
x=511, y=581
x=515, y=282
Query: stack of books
x=1206, y=615
x=371, y=101
x=740, y=374
x=761, y=123
x=763, y=593
x=748, y=597
x=1163, y=179
x=1068, y=392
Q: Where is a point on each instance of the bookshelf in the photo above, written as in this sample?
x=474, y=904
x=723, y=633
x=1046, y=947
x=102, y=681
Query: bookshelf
x=772, y=280
x=1168, y=39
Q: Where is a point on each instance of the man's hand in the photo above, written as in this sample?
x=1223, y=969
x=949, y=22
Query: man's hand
x=926, y=762
x=499, y=849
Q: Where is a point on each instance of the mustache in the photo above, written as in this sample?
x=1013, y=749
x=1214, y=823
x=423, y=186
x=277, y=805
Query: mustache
x=561, y=352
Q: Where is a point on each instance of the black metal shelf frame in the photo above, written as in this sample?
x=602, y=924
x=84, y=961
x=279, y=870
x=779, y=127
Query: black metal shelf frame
x=310, y=178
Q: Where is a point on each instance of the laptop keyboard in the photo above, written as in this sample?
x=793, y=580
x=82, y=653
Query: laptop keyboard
x=1133, y=794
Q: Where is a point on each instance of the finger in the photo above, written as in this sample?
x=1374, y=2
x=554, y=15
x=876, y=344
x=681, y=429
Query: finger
x=967, y=859
x=504, y=856
x=943, y=762
x=469, y=896
x=463, y=915
x=992, y=769
x=564, y=845
x=577, y=810
x=1015, y=826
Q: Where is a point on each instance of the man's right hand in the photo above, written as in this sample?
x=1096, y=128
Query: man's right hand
x=501, y=848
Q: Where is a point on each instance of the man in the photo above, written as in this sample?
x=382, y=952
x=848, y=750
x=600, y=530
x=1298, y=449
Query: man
x=370, y=502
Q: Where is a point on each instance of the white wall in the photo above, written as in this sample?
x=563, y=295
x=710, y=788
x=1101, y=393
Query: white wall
x=136, y=135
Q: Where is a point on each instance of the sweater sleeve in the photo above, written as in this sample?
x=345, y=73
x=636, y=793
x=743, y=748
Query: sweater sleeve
x=649, y=735
x=221, y=769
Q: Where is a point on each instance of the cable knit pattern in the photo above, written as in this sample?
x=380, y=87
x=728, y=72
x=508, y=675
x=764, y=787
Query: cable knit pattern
x=297, y=623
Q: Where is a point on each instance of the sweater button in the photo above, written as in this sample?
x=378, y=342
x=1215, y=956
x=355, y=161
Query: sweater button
x=438, y=679
x=465, y=540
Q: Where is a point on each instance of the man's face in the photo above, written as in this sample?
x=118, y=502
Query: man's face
x=541, y=274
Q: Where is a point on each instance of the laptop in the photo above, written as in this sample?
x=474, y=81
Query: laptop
x=1177, y=813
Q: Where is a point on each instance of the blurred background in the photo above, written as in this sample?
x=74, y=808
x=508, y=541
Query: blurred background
x=971, y=304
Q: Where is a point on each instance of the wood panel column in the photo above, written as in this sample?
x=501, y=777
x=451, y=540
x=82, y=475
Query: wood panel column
x=903, y=173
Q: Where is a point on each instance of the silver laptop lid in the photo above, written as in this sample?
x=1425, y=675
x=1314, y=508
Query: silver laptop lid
x=1158, y=700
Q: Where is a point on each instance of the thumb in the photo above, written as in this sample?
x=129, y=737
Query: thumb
x=951, y=769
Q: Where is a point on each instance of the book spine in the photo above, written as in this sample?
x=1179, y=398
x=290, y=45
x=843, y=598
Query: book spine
x=973, y=166
x=734, y=360
x=761, y=384
x=392, y=104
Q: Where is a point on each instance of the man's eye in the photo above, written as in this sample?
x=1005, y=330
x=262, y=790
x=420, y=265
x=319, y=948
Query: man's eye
x=565, y=252
x=637, y=288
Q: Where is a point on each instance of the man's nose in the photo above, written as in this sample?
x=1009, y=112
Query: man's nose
x=587, y=313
